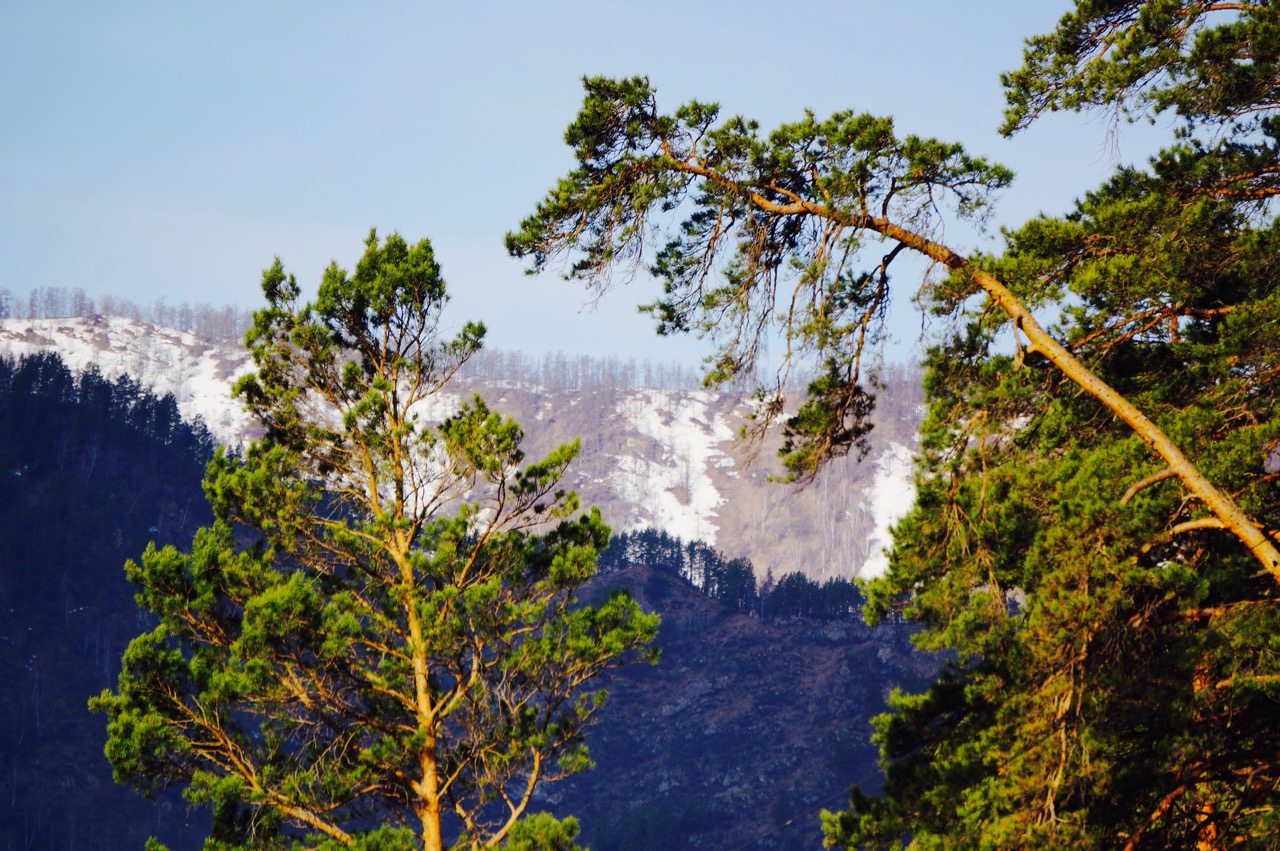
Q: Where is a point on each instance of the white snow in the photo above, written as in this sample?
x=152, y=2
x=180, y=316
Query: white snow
x=674, y=491
x=893, y=491
x=678, y=443
x=197, y=371
x=437, y=407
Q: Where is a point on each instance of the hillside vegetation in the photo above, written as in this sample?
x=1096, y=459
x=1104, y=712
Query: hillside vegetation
x=108, y=466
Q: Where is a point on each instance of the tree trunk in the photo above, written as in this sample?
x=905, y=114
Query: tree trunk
x=1226, y=513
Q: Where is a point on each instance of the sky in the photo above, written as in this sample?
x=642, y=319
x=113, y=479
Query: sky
x=171, y=150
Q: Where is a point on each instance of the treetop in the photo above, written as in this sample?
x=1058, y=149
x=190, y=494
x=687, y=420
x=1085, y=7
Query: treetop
x=1211, y=63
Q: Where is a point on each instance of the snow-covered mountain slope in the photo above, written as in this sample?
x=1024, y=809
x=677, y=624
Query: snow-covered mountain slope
x=650, y=457
x=198, y=371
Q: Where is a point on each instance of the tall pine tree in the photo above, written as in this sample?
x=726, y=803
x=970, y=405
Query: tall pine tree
x=377, y=642
x=1094, y=539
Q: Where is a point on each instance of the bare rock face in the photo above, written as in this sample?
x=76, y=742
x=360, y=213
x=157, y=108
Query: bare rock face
x=656, y=451
x=742, y=733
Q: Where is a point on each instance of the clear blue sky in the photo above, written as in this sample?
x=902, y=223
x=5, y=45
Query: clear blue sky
x=162, y=149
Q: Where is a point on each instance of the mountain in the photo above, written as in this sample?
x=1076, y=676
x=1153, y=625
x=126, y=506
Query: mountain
x=656, y=451
x=92, y=470
x=743, y=731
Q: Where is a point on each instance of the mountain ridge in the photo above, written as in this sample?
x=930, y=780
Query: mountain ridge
x=663, y=457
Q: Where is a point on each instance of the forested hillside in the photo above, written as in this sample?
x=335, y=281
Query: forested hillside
x=93, y=470
x=743, y=732
x=98, y=468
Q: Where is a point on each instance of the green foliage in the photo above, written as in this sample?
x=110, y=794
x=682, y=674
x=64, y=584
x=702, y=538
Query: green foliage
x=381, y=624
x=778, y=236
x=1115, y=681
x=543, y=832
x=1113, y=678
x=1210, y=62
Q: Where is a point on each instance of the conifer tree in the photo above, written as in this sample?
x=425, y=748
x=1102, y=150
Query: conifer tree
x=1118, y=684
x=776, y=228
x=1094, y=539
x=377, y=643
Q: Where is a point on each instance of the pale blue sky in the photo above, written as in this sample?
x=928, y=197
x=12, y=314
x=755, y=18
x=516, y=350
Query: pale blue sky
x=153, y=149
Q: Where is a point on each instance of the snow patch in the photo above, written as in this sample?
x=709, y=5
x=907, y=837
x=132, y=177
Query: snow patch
x=893, y=491
x=198, y=371
x=670, y=448
x=674, y=487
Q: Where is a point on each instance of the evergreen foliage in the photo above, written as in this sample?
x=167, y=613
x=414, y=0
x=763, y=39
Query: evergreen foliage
x=772, y=242
x=1212, y=64
x=92, y=469
x=733, y=581
x=1095, y=500
x=1118, y=685
x=377, y=642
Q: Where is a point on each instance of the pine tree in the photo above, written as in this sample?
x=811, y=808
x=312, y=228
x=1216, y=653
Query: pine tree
x=1117, y=684
x=377, y=643
x=1096, y=499
x=797, y=210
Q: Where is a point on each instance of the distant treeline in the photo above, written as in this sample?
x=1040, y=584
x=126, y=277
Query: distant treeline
x=579, y=372
x=583, y=372
x=553, y=370
x=558, y=370
x=733, y=581
x=60, y=302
